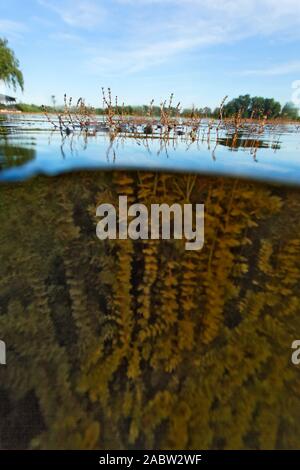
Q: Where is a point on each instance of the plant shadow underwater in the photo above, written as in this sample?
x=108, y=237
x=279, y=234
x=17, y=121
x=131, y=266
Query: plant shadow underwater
x=123, y=344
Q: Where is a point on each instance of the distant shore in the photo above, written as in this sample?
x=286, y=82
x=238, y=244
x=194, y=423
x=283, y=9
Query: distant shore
x=226, y=119
x=11, y=111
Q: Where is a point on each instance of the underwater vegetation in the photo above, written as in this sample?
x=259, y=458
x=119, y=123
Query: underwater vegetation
x=127, y=344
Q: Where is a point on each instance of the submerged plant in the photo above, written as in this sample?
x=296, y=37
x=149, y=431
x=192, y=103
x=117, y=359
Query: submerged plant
x=122, y=344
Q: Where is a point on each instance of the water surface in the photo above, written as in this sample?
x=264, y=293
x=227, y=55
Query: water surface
x=30, y=146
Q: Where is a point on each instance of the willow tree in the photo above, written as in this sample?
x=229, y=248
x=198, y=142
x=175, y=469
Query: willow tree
x=9, y=67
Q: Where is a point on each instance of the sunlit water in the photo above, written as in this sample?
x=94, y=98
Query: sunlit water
x=30, y=146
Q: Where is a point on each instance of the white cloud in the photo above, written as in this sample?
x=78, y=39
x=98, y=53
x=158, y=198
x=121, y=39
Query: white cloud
x=67, y=37
x=280, y=69
x=12, y=29
x=144, y=33
x=85, y=14
x=162, y=29
x=133, y=59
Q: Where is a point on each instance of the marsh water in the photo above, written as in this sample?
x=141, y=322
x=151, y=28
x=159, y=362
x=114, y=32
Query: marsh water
x=123, y=344
x=30, y=146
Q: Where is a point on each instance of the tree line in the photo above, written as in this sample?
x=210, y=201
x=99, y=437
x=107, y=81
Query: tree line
x=245, y=106
x=248, y=107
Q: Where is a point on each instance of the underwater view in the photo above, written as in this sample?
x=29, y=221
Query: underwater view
x=149, y=233
x=142, y=344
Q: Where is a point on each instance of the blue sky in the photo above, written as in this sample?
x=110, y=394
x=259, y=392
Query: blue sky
x=144, y=49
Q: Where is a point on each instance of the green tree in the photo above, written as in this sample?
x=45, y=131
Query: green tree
x=241, y=104
x=207, y=111
x=290, y=111
x=9, y=67
x=255, y=107
x=272, y=107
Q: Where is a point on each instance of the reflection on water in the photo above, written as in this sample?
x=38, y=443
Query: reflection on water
x=11, y=152
x=14, y=155
x=140, y=344
x=268, y=153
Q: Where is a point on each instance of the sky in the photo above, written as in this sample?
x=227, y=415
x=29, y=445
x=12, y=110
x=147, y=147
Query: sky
x=198, y=49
